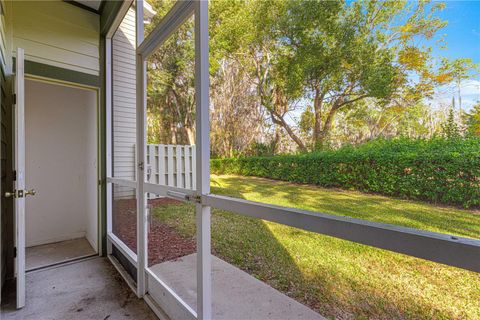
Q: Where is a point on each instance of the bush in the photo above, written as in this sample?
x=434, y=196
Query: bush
x=438, y=170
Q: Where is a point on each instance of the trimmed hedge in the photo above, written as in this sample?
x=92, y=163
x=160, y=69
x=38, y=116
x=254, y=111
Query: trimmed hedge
x=439, y=171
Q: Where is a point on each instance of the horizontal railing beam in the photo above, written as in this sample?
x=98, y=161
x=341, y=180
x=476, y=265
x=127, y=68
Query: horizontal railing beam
x=162, y=190
x=122, y=182
x=450, y=250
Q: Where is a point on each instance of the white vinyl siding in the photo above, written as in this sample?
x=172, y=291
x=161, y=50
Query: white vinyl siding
x=3, y=36
x=124, y=98
x=58, y=34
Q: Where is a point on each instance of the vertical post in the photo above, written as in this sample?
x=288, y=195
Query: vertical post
x=204, y=269
x=150, y=174
x=170, y=165
x=194, y=167
x=108, y=133
x=179, y=166
x=141, y=79
x=151, y=163
x=188, y=170
x=161, y=164
x=157, y=167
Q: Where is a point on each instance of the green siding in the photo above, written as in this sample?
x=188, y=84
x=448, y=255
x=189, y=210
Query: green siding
x=56, y=73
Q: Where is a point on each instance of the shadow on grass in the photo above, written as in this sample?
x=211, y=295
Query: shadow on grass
x=337, y=278
x=244, y=242
x=273, y=253
x=332, y=283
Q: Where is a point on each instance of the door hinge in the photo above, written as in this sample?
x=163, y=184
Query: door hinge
x=15, y=98
x=14, y=175
x=14, y=252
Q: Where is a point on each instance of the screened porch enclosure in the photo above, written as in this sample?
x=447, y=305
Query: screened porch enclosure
x=166, y=253
x=160, y=227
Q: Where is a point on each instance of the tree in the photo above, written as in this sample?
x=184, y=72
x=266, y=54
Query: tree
x=243, y=31
x=458, y=70
x=367, y=120
x=309, y=71
x=473, y=120
x=343, y=53
x=236, y=119
x=450, y=127
x=171, y=85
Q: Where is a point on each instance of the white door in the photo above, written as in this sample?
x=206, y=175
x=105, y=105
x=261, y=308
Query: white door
x=19, y=193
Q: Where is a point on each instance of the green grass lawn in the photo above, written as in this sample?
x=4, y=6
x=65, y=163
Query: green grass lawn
x=337, y=278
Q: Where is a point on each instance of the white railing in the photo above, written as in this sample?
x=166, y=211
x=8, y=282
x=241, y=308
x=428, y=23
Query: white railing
x=171, y=165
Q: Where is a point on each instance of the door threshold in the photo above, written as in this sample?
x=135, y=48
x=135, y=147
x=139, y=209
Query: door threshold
x=63, y=263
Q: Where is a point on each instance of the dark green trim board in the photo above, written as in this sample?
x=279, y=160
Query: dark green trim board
x=102, y=6
x=57, y=73
x=82, y=6
x=108, y=14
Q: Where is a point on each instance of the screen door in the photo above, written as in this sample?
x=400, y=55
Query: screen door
x=173, y=151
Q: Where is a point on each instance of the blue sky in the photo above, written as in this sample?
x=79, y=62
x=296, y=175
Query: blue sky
x=462, y=31
x=463, y=41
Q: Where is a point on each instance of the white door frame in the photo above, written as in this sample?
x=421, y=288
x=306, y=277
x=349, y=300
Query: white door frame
x=57, y=82
x=19, y=185
x=112, y=239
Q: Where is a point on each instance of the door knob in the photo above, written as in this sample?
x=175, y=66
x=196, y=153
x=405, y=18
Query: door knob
x=10, y=194
x=20, y=193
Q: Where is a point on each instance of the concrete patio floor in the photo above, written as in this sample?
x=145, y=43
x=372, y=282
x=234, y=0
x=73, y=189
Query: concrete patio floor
x=236, y=294
x=52, y=253
x=90, y=289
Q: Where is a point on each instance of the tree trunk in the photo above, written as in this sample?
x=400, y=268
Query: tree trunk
x=277, y=119
x=319, y=134
x=327, y=127
x=190, y=135
x=317, y=109
x=276, y=140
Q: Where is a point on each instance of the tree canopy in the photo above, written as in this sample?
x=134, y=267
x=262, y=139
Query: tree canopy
x=293, y=74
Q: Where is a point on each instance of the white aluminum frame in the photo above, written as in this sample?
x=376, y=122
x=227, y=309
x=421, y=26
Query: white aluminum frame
x=112, y=239
x=180, y=12
x=451, y=250
x=141, y=80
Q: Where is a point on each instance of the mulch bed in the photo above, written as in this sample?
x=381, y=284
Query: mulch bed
x=164, y=244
